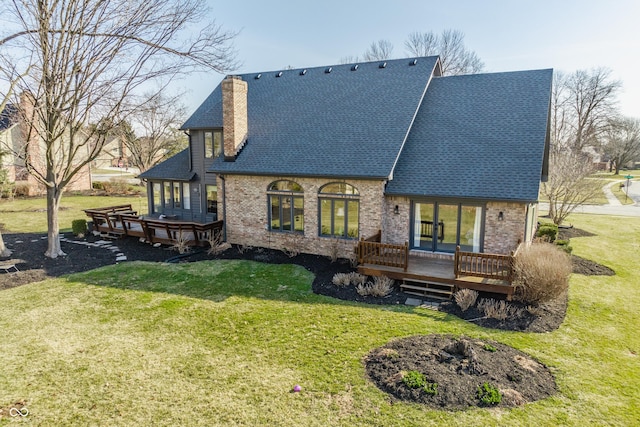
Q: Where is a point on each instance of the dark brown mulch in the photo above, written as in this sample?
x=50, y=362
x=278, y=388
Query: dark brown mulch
x=590, y=268
x=458, y=366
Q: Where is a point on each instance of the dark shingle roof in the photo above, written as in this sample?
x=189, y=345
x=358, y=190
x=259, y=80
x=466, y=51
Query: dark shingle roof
x=344, y=123
x=174, y=168
x=478, y=136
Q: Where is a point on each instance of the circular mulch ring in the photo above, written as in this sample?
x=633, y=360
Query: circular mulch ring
x=459, y=366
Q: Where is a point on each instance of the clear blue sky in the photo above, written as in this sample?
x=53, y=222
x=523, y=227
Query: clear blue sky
x=565, y=35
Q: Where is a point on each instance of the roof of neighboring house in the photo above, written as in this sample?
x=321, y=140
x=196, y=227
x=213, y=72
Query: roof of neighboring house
x=349, y=122
x=174, y=168
x=7, y=117
x=478, y=136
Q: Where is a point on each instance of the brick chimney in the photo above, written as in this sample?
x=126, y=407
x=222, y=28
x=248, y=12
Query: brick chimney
x=234, y=116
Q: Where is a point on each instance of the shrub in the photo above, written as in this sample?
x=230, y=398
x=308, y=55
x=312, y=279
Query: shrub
x=98, y=185
x=415, y=379
x=181, y=243
x=380, y=287
x=490, y=348
x=341, y=279
x=116, y=187
x=465, y=298
x=495, y=309
x=357, y=278
x=548, y=232
x=489, y=394
x=564, y=245
x=22, y=190
x=541, y=273
x=334, y=250
x=216, y=244
x=79, y=227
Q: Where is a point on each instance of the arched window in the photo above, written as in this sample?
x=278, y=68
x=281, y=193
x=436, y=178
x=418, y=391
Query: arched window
x=286, y=206
x=339, y=210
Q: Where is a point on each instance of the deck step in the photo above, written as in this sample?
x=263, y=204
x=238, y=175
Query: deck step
x=428, y=289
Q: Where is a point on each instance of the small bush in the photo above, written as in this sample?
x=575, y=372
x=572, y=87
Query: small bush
x=547, y=232
x=22, y=190
x=341, y=279
x=415, y=379
x=489, y=394
x=541, y=273
x=357, y=278
x=490, y=348
x=334, y=250
x=181, y=243
x=98, y=185
x=564, y=245
x=79, y=227
x=116, y=187
x=495, y=309
x=465, y=298
x=380, y=287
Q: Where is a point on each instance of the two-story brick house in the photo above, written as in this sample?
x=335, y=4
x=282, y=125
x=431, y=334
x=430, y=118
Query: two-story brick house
x=333, y=154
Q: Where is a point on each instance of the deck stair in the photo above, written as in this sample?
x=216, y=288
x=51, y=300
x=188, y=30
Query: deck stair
x=428, y=288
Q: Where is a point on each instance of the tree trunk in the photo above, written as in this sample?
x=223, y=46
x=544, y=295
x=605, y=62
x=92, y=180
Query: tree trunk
x=54, y=194
x=4, y=252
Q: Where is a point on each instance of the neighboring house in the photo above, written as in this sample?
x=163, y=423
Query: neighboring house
x=114, y=153
x=14, y=135
x=328, y=155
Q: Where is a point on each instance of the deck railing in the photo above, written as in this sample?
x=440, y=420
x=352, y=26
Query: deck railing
x=491, y=266
x=371, y=251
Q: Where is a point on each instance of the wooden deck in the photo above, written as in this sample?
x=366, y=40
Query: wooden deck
x=436, y=277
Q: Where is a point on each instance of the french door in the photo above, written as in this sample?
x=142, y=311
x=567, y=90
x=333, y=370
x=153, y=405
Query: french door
x=441, y=226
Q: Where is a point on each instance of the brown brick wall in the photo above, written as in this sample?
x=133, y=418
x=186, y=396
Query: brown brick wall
x=501, y=237
x=396, y=226
x=234, y=115
x=247, y=214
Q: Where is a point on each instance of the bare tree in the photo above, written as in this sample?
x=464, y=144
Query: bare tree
x=585, y=101
x=569, y=184
x=621, y=141
x=159, y=138
x=455, y=58
x=86, y=63
x=378, y=51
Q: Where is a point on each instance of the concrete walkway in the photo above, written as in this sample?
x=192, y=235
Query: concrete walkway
x=614, y=207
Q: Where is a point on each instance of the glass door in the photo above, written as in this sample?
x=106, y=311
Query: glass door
x=447, y=228
x=423, y=229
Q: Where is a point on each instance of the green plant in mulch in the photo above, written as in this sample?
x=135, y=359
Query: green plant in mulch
x=489, y=395
x=415, y=379
x=489, y=347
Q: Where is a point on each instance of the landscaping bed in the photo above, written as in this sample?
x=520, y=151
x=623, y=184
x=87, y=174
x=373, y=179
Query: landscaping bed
x=456, y=373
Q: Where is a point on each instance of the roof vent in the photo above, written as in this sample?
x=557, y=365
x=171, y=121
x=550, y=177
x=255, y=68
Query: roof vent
x=354, y=68
x=383, y=65
x=328, y=70
x=414, y=62
x=303, y=72
x=279, y=74
x=258, y=76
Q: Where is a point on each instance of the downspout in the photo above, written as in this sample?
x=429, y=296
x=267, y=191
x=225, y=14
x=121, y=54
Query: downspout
x=224, y=208
x=190, y=159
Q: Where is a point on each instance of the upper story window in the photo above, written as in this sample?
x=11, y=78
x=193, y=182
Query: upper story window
x=212, y=144
x=339, y=210
x=286, y=206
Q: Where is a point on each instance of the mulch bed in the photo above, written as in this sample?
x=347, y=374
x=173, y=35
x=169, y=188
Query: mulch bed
x=459, y=366
x=457, y=373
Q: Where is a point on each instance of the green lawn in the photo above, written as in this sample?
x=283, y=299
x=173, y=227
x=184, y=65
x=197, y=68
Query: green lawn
x=223, y=343
x=29, y=215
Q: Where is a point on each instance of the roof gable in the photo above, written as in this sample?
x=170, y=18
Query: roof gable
x=342, y=121
x=478, y=136
x=174, y=168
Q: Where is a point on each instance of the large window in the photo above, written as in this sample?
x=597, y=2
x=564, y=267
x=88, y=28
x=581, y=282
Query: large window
x=167, y=195
x=176, y=195
x=212, y=144
x=212, y=200
x=156, y=194
x=186, y=196
x=286, y=206
x=339, y=210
